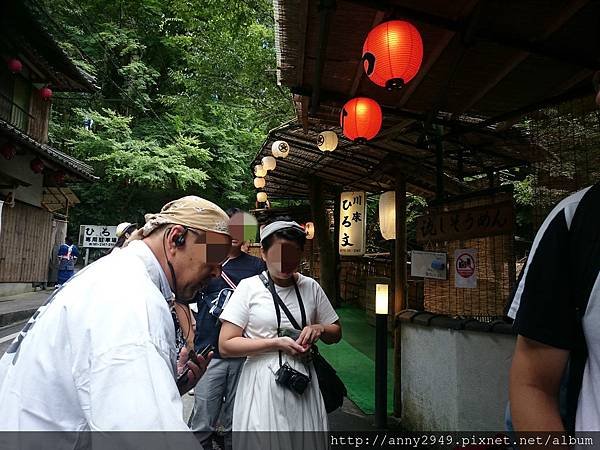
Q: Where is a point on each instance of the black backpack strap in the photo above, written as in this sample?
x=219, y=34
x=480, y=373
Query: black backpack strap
x=584, y=267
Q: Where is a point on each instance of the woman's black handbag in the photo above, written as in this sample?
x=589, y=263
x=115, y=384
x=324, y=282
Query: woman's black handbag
x=332, y=388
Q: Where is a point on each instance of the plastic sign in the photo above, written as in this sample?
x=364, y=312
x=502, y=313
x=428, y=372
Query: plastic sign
x=97, y=236
x=428, y=265
x=465, y=268
x=353, y=221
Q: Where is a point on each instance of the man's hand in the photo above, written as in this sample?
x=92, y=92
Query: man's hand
x=310, y=334
x=193, y=366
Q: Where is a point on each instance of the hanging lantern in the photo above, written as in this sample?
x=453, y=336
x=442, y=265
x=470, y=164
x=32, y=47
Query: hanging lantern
x=360, y=119
x=387, y=215
x=59, y=177
x=15, y=65
x=309, y=227
x=392, y=54
x=261, y=197
x=260, y=171
x=37, y=165
x=8, y=151
x=327, y=141
x=280, y=149
x=269, y=163
x=259, y=183
x=46, y=93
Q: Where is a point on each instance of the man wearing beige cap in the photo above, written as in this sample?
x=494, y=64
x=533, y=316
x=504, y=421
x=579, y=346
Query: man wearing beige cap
x=101, y=354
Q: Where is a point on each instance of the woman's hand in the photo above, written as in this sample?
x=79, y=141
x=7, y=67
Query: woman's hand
x=289, y=346
x=310, y=334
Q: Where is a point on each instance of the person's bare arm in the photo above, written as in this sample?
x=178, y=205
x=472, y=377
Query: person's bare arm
x=185, y=318
x=232, y=343
x=534, y=384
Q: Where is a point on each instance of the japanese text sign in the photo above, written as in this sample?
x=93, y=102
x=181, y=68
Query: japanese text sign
x=97, y=236
x=481, y=221
x=352, y=237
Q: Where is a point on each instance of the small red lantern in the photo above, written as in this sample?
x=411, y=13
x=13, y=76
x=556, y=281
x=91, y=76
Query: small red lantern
x=46, y=93
x=37, y=165
x=14, y=65
x=59, y=177
x=8, y=151
x=361, y=119
x=392, y=54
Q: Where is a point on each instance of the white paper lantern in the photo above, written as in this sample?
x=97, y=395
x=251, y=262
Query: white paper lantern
x=260, y=171
x=327, y=141
x=387, y=214
x=259, y=182
x=280, y=149
x=261, y=197
x=309, y=227
x=269, y=163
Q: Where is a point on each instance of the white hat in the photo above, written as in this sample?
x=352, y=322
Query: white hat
x=122, y=227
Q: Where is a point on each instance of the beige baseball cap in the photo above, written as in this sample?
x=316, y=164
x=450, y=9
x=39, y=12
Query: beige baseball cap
x=190, y=211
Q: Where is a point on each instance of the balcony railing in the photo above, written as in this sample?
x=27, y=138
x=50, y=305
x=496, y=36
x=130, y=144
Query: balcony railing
x=14, y=114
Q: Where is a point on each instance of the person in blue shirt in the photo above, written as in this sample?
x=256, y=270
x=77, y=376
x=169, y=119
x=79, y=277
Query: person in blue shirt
x=214, y=395
x=67, y=257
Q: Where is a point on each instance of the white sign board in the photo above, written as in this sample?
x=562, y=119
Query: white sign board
x=97, y=236
x=353, y=229
x=465, y=268
x=428, y=265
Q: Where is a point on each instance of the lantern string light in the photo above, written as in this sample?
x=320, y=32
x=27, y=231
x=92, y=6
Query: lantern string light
x=327, y=141
x=269, y=163
x=280, y=149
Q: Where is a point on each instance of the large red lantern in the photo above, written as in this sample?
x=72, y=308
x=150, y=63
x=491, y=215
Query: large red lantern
x=361, y=119
x=15, y=65
x=46, y=93
x=37, y=165
x=8, y=150
x=392, y=54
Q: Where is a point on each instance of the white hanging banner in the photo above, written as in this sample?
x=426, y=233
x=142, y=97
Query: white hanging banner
x=465, y=268
x=353, y=219
x=1, y=205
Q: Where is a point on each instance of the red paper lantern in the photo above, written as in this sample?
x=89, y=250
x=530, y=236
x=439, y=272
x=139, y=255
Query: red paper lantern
x=8, y=151
x=37, y=165
x=46, y=93
x=392, y=54
x=361, y=119
x=14, y=65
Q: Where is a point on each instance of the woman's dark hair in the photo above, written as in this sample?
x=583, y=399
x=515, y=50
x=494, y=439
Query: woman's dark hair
x=288, y=234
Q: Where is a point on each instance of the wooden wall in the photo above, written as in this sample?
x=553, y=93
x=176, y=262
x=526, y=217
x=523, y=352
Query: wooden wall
x=25, y=244
x=40, y=110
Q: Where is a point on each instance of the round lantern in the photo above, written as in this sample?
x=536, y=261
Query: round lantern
x=37, y=165
x=8, y=151
x=260, y=171
x=46, y=93
x=327, y=141
x=261, y=197
x=15, y=65
x=387, y=215
x=259, y=183
x=59, y=177
x=269, y=163
x=360, y=119
x=309, y=227
x=392, y=54
x=280, y=149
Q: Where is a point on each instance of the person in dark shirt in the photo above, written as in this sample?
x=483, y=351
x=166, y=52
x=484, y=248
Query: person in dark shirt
x=215, y=393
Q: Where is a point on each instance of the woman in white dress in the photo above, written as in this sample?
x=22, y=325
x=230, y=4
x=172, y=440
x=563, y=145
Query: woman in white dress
x=250, y=328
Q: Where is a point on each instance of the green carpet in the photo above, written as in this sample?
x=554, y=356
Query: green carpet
x=354, y=359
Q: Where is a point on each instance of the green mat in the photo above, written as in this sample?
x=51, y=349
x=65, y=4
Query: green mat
x=354, y=359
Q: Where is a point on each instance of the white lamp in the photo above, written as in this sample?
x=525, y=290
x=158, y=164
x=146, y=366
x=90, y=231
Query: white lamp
x=381, y=299
x=260, y=171
x=310, y=230
x=269, y=163
x=387, y=214
x=327, y=141
x=259, y=182
x=280, y=149
x=261, y=197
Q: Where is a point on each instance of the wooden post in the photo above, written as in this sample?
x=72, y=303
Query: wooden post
x=400, y=288
x=323, y=237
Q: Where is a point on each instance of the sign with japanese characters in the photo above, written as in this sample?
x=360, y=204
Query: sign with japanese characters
x=428, y=265
x=97, y=236
x=352, y=237
x=489, y=220
x=465, y=268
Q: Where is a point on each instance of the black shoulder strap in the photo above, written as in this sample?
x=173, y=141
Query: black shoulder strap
x=584, y=265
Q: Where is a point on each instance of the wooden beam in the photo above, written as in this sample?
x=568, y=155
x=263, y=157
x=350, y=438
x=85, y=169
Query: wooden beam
x=326, y=8
x=303, y=29
x=379, y=15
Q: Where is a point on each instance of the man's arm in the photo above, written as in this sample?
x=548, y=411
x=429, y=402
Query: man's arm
x=534, y=385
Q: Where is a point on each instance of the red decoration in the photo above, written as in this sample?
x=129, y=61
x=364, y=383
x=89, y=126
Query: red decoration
x=361, y=119
x=37, y=165
x=8, y=151
x=59, y=177
x=46, y=93
x=392, y=54
x=14, y=65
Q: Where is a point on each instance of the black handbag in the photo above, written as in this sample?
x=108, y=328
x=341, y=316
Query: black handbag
x=332, y=387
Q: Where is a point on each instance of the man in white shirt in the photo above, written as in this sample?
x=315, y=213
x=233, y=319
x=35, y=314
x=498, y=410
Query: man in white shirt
x=101, y=354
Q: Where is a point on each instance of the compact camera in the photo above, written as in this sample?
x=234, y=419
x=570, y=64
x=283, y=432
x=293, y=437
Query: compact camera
x=290, y=378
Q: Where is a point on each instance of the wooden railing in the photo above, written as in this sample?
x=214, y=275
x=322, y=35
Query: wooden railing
x=14, y=114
